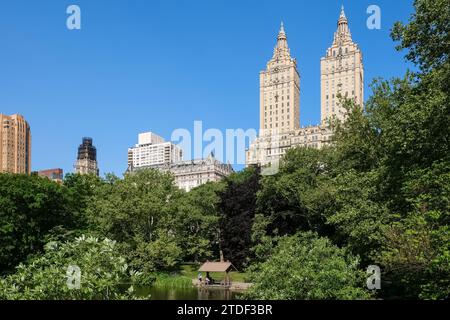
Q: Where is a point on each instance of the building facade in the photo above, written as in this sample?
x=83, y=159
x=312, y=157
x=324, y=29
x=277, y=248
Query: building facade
x=341, y=72
x=268, y=149
x=193, y=173
x=56, y=175
x=87, y=158
x=15, y=144
x=152, y=150
x=280, y=90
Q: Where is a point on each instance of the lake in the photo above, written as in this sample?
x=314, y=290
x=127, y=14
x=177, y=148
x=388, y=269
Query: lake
x=164, y=293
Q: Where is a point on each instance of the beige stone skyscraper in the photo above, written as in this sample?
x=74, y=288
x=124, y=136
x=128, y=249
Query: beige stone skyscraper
x=341, y=72
x=15, y=144
x=280, y=90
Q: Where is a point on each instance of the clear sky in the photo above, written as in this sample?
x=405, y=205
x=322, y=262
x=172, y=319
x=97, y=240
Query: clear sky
x=140, y=65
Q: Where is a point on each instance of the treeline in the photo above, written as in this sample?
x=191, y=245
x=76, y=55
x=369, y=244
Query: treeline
x=379, y=195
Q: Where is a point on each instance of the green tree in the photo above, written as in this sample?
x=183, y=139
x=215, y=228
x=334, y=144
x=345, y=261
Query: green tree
x=137, y=211
x=198, y=222
x=31, y=208
x=300, y=195
x=426, y=36
x=237, y=208
x=104, y=273
x=304, y=266
x=416, y=249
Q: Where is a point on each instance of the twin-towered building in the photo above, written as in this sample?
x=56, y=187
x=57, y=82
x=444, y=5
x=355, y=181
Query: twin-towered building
x=342, y=74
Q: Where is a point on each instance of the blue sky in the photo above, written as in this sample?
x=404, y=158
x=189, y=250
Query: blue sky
x=142, y=65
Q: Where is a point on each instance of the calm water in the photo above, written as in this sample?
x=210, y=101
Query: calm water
x=160, y=293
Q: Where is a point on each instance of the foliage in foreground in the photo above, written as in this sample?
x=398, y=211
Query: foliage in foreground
x=104, y=273
x=155, y=224
x=304, y=266
x=32, y=209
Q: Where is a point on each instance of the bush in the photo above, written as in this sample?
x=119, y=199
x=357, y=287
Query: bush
x=104, y=273
x=304, y=266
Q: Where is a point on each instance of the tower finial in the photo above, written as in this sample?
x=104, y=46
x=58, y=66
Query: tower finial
x=282, y=27
x=342, y=12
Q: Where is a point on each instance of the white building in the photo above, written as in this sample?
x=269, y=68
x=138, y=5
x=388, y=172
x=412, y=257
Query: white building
x=270, y=148
x=193, y=173
x=152, y=150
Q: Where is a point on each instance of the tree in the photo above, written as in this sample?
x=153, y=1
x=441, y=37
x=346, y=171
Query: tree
x=31, y=208
x=300, y=195
x=198, y=222
x=416, y=249
x=304, y=266
x=137, y=211
x=104, y=273
x=237, y=208
x=426, y=36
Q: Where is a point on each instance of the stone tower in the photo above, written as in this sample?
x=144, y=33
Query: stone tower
x=280, y=90
x=87, y=158
x=341, y=72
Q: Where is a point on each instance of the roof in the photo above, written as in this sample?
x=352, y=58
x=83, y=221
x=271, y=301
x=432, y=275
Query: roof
x=216, y=267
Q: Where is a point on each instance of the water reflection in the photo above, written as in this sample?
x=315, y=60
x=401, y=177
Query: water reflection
x=162, y=293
